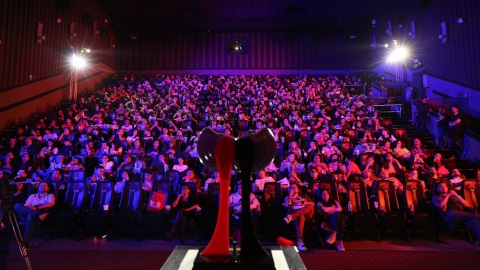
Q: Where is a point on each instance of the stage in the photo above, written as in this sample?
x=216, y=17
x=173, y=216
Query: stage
x=152, y=254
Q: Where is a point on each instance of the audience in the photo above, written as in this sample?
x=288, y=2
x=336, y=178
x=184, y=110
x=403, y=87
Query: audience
x=134, y=129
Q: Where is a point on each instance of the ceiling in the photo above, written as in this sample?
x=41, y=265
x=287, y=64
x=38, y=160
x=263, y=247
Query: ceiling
x=249, y=14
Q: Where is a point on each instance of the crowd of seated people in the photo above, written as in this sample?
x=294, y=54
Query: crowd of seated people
x=147, y=130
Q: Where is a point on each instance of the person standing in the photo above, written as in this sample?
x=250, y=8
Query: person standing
x=442, y=126
x=421, y=116
x=457, y=127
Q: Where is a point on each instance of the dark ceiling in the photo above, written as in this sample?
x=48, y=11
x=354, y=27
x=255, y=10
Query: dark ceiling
x=161, y=14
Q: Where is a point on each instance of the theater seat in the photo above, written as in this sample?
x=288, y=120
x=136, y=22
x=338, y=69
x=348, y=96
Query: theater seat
x=95, y=217
x=124, y=219
x=440, y=214
x=392, y=219
x=156, y=222
x=471, y=193
x=68, y=219
x=422, y=222
x=362, y=222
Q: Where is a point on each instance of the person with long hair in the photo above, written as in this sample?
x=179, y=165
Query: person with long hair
x=332, y=213
x=300, y=208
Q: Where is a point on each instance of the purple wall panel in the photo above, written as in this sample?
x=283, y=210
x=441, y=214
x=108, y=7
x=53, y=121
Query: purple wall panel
x=264, y=51
x=21, y=55
x=456, y=60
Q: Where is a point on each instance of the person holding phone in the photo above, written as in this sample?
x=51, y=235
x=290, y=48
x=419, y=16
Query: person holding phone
x=300, y=208
x=332, y=213
x=185, y=205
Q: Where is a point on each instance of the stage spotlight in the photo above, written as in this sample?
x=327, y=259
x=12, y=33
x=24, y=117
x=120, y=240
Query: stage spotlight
x=88, y=50
x=386, y=45
x=397, y=55
x=78, y=62
x=236, y=48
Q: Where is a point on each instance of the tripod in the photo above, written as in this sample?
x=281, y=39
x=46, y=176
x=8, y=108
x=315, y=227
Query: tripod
x=5, y=242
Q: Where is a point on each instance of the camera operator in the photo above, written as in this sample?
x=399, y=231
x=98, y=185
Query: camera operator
x=17, y=197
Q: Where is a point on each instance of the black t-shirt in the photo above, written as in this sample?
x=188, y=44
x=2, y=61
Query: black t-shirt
x=443, y=122
x=459, y=127
x=422, y=110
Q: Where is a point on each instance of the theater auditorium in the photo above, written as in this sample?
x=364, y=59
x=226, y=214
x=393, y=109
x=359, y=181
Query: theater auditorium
x=129, y=129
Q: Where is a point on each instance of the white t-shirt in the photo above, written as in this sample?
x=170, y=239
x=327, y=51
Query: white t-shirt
x=260, y=183
x=180, y=168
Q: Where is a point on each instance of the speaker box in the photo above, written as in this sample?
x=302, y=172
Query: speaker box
x=87, y=19
x=62, y=4
x=200, y=39
x=399, y=17
x=104, y=32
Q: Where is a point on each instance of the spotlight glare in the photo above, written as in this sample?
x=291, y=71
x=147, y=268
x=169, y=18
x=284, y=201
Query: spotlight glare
x=88, y=50
x=386, y=45
x=236, y=48
x=397, y=55
x=78, y=62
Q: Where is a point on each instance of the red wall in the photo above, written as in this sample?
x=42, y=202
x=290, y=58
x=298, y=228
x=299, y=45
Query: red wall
x=21, y=55
x=264, y=51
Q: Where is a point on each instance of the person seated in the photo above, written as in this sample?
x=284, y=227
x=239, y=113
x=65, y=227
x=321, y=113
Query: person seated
x=433, y=177
x=293, y=148
x=386, y=136
x=332, y=213
x=385, y=175
x=352, y=168
x=89, y=149
x=385, y=148
x=300, y=125
x=98, y=175
x=363, y=148
x=413, y=175
x=299, y=208
x=190, y=178
x=127, y=164
x=336, y=166
x=317, y=162
x=107, y=164
x=74, y=165
x=185, y=205
x=271, y=168
x=24, y=164
x=419, y=148
x=371, y=166
x=453, y=205
x=367, y=136
x=261, y=180
x=66, y=149
x=391, y=165
x=34, y=208
x=154, y=150
x=330, y=149
x=456, y=179
x=180, y=167
x=401, y=152
x=118, y=188
x=136, y=149
x=288, y=164
x=419, y=165
x=235, y=203
x=437, y=163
